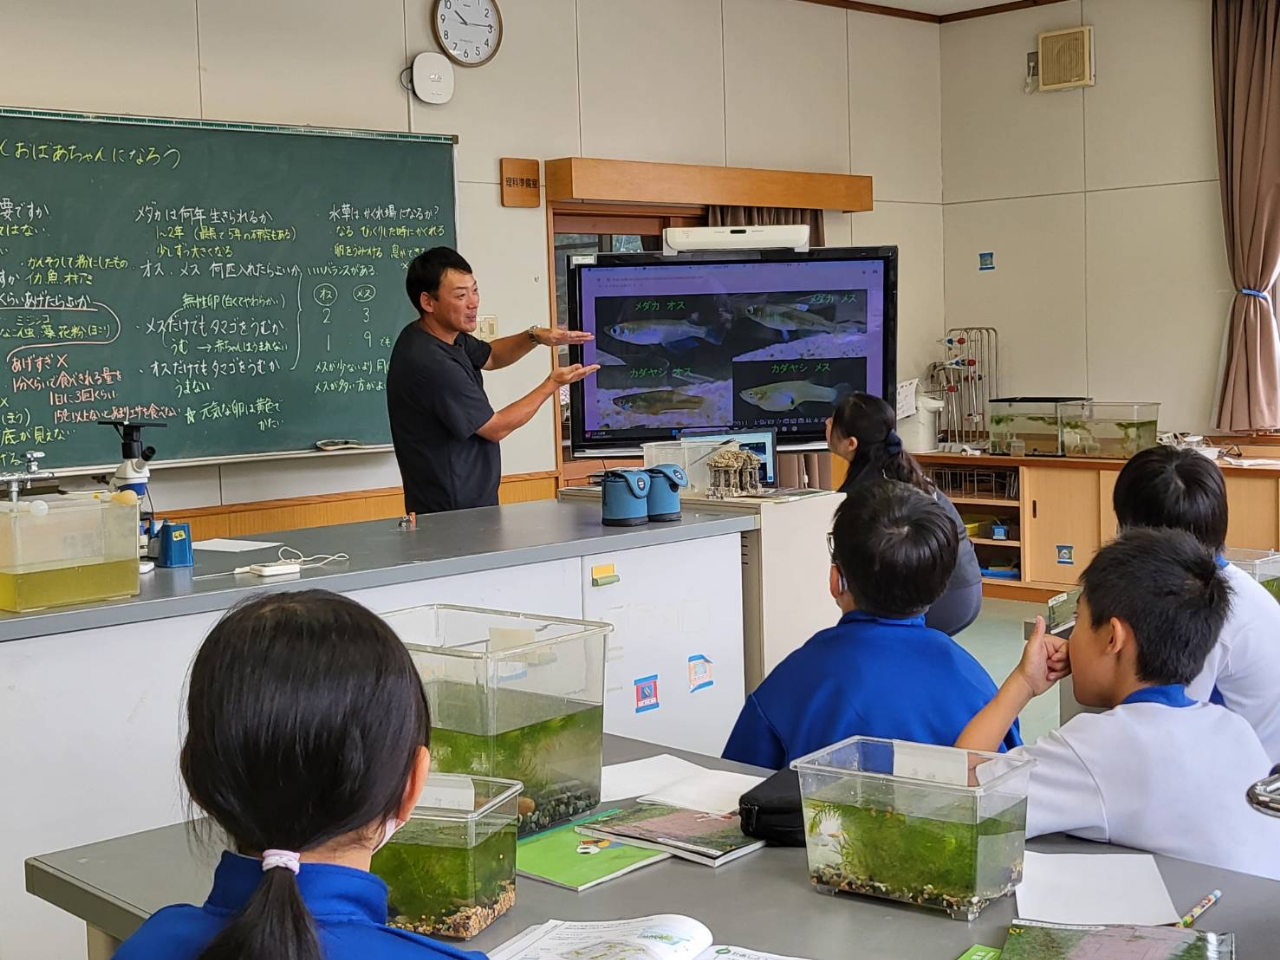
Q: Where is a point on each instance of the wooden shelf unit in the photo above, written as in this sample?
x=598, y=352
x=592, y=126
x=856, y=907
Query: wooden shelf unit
x=1066, y=502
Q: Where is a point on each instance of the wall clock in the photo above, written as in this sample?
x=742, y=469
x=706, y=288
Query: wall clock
x=469, y=32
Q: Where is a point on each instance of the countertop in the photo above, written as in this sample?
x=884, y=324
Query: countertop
x=382, y=554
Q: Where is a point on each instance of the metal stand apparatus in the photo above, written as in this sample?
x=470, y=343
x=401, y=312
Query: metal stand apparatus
x=21, y=480
x=965, y=380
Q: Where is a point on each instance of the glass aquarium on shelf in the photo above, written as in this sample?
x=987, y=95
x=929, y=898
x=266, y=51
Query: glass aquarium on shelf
x=1262, y=565
x=932, y=826
x=515, y=696
x=67, y=549
x=1031, y=421
x=1114, y=431
x=451, y=870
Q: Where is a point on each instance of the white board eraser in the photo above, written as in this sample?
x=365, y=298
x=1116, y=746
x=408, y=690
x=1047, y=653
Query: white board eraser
x=275, y=569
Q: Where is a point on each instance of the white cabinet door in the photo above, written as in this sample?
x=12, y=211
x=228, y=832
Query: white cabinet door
x=674, y=670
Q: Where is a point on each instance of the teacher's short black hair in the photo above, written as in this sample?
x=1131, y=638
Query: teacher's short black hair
x=427, y=270
x=1167, y=587
x=1164, y=487
x=896, y=548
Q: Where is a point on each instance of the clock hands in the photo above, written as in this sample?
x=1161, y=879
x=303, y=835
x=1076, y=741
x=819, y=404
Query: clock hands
x=459, y=16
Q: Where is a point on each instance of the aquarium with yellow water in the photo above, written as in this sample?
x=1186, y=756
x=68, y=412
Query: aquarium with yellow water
x=56, y=550
x=451, y=870
x=931, y=826
x=514, y=696
x=1111, y=430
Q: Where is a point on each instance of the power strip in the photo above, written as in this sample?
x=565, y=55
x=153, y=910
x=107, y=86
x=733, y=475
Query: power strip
x=281, y=568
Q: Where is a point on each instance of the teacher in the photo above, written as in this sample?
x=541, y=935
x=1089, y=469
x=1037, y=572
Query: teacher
x=445, y=431
x=863, y=431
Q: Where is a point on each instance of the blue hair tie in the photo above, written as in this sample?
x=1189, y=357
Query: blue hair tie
x=893, y=443
x=1255, y=293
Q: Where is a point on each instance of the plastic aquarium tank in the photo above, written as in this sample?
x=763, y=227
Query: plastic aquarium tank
x=1033, y=420
x=514, y=696
x=62, y=550
x=901, y=821
x=451, y=870
x=691, y=456
x=1115, y=431
x=1262, y=565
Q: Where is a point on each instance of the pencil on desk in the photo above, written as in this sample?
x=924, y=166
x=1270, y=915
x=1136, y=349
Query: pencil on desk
x=1200, y=908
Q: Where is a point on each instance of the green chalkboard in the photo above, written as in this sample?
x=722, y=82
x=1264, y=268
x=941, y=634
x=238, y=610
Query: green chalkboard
x=242, y=283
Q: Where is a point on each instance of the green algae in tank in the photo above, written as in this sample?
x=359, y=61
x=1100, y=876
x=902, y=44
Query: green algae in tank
x=1272, y=587
x=551, y=745
x=439, y=886
x=1038, y=433
x=951, y=864
x=1109, y=439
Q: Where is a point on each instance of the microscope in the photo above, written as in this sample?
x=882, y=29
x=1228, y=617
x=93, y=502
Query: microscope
x=133, y=472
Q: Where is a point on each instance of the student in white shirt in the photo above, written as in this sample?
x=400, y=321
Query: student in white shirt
x=1163, y=487
x=1157, y=771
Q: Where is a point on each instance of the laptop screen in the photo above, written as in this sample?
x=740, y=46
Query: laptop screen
x=760, y=442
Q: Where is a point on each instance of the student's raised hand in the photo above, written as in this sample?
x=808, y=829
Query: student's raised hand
x=1044, y=661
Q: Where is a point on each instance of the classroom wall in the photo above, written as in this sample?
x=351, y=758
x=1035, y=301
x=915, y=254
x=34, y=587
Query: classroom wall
x=665, y=80
x=1101, y=206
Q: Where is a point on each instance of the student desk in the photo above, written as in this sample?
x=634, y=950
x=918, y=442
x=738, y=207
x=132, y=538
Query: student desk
x=93, y=695
x=762, y=901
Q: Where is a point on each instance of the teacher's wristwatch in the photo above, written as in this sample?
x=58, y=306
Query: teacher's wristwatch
x=533, y=333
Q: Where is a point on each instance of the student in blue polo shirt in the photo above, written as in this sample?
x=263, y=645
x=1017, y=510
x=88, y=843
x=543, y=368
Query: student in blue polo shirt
x=307, y=735
x=880, y=671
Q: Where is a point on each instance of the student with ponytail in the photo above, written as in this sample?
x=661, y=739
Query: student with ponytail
x=863, y=431
x=307, y=742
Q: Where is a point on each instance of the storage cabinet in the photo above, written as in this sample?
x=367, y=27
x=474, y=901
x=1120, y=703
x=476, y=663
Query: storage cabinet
x=1252, y=504
x=1059, y=522
x=1067, y=503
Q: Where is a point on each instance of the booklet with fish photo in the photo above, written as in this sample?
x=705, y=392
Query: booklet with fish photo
x=666, y=937
x=1033, y=940
x=563, y=857
x=705, y=838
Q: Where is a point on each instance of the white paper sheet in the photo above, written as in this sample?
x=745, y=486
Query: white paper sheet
x=1081, y=888
x=667, y=937
x=625, y=781
x=711, y=791
x=220, y=545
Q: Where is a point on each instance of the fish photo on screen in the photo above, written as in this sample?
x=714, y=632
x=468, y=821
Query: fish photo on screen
x=791, y=394
x=665, y=363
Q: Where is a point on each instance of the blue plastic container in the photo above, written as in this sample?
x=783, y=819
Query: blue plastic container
x=624, y=498
x=665, y=481
x=175, y=546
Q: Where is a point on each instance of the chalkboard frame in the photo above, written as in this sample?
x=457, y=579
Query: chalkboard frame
x=24, y=113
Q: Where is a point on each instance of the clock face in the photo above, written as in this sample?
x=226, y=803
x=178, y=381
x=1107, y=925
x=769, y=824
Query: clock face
x=468, y=31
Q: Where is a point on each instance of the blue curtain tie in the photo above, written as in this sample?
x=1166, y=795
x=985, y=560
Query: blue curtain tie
x=1255, y=293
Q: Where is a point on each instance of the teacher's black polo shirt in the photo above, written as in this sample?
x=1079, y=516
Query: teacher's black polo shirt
x=436, y=401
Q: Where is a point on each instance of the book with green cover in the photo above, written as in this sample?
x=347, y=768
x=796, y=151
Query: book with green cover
x=1033, y=940
x=565, y=858
x=705, y=838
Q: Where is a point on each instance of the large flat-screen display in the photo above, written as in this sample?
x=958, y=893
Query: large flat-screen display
x=770, y=340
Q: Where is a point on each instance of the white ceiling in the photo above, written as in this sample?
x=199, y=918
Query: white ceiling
x=937, y=7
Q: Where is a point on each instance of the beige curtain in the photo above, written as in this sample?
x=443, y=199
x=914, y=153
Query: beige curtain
x=769, y=217
x=1246, y=74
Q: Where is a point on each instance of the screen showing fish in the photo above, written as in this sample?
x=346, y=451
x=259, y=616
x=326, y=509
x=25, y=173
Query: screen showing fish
x=704, y=344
